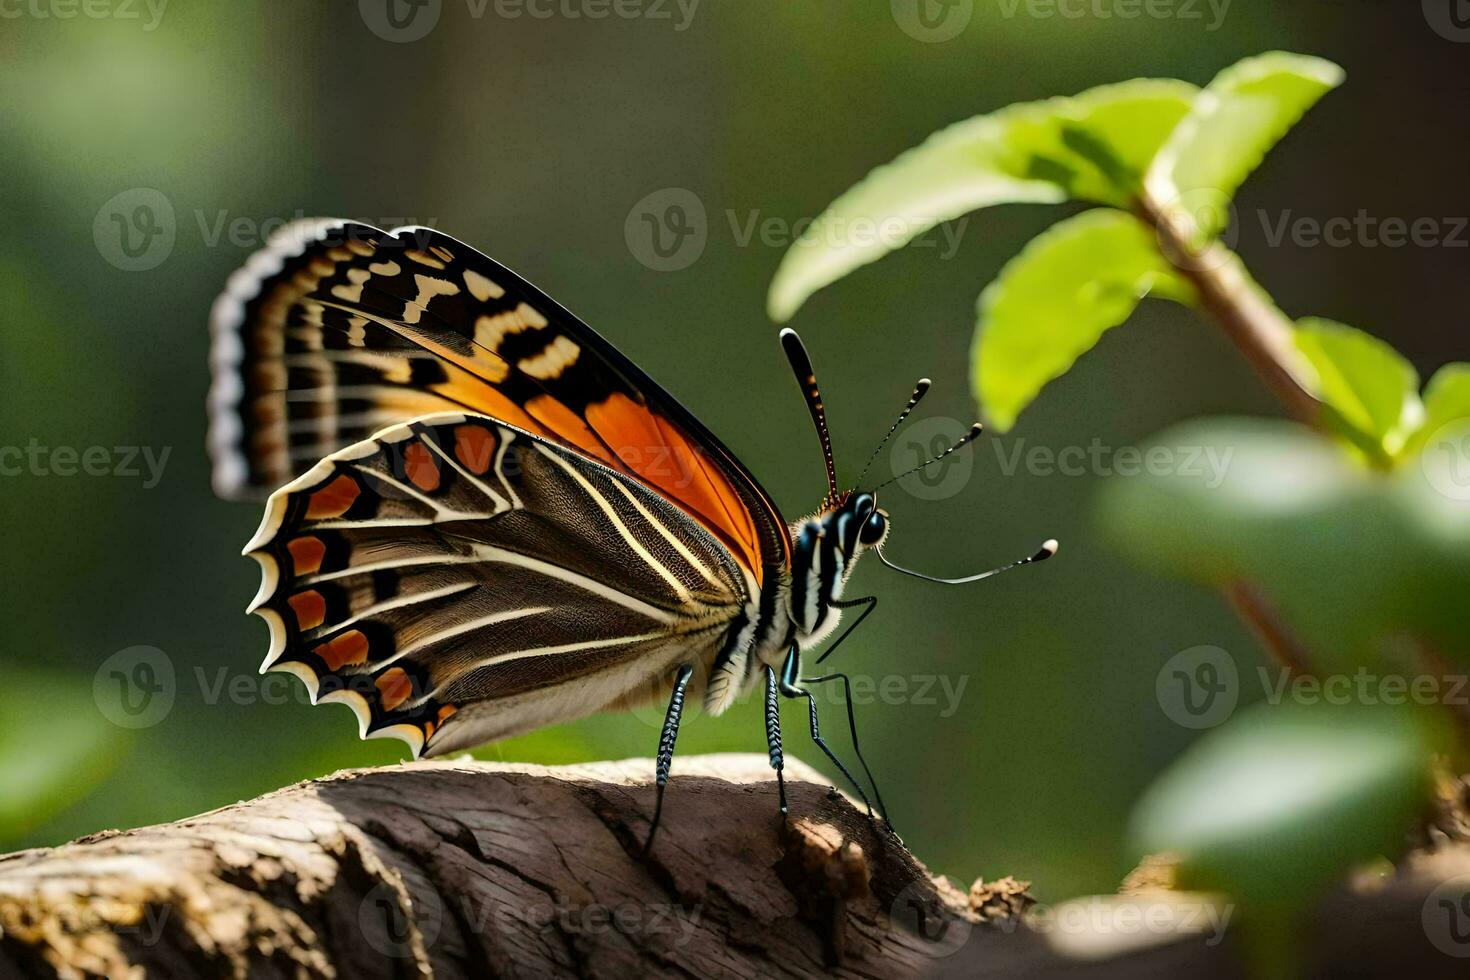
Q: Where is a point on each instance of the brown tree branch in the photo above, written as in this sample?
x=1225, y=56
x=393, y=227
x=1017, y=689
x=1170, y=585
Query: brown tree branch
x=1260, y=331
x=471, y=869
x=458, y=869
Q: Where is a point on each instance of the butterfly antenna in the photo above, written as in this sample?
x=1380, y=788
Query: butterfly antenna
x=801, y=365
x=1048, y=549
x=968, y=438
x=920, y=390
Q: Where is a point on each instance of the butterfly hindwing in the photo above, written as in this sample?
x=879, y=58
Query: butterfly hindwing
x=456, y=580
x=337, y=329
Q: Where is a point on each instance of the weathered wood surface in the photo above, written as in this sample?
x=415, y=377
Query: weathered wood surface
x=469, y=869
x=473, y=869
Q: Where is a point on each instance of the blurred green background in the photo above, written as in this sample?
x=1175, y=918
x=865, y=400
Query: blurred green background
x=534, y=138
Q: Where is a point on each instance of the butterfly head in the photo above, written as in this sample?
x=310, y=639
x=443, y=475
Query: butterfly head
x=851, y=520
x=866, y=522
x=826, y=546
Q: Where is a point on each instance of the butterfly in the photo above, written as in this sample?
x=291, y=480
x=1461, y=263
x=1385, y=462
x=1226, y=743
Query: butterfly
x=483, y=519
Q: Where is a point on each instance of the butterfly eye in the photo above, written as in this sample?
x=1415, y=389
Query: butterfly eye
x=874, y=528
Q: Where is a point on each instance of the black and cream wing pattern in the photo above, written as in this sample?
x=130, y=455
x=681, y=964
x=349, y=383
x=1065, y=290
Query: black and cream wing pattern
x=484, y=519
x=455, y=580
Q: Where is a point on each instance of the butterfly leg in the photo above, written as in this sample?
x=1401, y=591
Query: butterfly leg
x=666, y=747
x=789, y=673
x=868, y=602
x=852, y=725
x=773, y=734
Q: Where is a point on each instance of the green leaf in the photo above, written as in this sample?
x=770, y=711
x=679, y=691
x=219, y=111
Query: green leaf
x=1053, y=302
x=1369, y=388
x=1279, y=803
x=1446, y=407
x=56, y=748
x=1235, y=122
x=1353, y=561
x=1093, y=146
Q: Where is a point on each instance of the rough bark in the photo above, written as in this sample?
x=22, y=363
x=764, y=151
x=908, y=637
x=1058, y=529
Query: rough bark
x=471, y=869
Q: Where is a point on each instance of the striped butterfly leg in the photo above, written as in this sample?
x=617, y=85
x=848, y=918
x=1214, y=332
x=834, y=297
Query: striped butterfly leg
x=773, y=734
x=666, y=741
x=788, y=687
x=852, y=726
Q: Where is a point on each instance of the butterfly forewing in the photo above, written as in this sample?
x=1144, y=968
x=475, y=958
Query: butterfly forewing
x=337, y=329
x=457, y=580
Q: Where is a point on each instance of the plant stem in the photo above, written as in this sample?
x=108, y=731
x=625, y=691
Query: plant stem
x=1265, y=336
x=1252, y=322
x=1265, y=623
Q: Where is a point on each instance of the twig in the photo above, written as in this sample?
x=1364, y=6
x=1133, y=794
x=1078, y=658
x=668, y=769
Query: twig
x=1252, y=322
x=1264, y=622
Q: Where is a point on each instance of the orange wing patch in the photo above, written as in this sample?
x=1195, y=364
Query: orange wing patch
x=394, y=686
x=306, y=554
x=349, y=648
x=334, y=499
x=420, y=468
x=310, y=609
x=567, y=426
x=474, y=447
x=660, y=455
